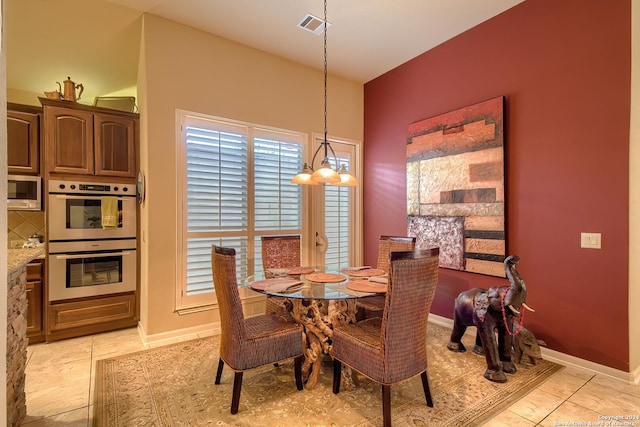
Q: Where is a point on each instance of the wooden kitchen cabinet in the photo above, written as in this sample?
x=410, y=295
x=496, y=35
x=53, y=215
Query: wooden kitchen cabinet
x=114, y=141
x=68, y=135
x=23, y=139
x=91, y=315
x=86, y=140
x=35, y=306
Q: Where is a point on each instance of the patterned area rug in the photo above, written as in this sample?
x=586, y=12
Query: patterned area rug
x=174, y=386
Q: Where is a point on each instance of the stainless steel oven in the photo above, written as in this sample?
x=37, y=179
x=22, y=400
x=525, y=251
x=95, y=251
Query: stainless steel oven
x=89, y=268
x=88, y=210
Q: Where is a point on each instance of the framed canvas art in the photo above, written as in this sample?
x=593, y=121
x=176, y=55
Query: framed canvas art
x=455, y=187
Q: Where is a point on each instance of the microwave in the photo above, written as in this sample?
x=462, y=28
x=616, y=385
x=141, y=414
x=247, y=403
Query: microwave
x=24, y=193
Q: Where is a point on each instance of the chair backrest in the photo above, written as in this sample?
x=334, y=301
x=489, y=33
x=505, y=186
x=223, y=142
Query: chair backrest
x=280, y=251
x=388, y=244
x=412, y=285
x=223, y=262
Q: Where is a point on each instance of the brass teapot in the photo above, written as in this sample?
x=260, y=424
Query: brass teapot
x=69, y=92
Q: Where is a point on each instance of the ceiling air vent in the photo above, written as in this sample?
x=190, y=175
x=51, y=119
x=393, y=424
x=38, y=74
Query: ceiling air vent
x=313, y=24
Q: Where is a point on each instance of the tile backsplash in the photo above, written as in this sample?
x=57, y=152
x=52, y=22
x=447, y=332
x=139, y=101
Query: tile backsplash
x=21, y=225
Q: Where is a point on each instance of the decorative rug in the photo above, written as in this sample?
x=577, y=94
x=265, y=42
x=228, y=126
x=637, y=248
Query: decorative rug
x=174, y=386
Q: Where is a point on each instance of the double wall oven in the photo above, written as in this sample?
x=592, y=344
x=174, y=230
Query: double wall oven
x=92, y=239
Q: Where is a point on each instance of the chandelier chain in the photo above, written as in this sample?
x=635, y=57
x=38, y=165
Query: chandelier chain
x=325, y=78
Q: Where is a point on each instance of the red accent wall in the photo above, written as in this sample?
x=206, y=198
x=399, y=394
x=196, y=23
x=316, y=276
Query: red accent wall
x=564, y=68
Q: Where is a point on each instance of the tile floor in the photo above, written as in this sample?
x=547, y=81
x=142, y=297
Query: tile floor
x=60, y=378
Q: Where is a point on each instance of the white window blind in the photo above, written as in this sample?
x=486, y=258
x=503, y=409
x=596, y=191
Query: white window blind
x=236, y=188
x=337, y=223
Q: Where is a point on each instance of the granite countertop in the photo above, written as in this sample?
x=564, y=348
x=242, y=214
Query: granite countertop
x=18, y=258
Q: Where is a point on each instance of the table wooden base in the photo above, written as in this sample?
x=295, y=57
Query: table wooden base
x=318, y=318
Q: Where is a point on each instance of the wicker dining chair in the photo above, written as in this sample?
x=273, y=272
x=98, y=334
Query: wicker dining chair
x=254, y=341
x=394, y=347
x=279, y=252
x=367, y=308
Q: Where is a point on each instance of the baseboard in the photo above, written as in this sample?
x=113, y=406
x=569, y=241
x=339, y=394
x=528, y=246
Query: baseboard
x=635, y=375
x=178, y=335
x=560, y=358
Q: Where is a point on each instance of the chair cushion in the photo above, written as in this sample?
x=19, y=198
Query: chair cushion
x=361, y=344
x=269, y=339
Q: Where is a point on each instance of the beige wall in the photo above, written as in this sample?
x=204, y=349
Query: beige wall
x=184, y=68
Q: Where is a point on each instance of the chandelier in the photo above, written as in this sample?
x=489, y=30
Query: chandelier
x=325, y=173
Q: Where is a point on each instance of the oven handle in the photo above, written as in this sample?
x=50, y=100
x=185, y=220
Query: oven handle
x=66, y=196
x=92, y=255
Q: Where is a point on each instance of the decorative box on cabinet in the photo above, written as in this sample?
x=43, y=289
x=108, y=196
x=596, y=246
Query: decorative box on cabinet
x=23, y=139
x=86, y=140
x=35, y=287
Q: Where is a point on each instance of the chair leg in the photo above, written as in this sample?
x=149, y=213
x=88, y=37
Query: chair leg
x=386, y=405
x=297, y=366
x=237, y=386
x=337, y=375
x=219, y=373
x=425, y=386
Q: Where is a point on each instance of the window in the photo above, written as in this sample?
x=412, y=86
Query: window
x=337, y=222
x=236, y=187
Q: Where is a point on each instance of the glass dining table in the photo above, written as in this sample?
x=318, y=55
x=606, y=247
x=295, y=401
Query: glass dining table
x=319, y=301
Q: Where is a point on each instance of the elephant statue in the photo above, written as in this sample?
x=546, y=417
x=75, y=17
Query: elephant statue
x=526, y=348
x=490, y=311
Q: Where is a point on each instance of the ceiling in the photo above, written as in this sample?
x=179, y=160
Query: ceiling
x=366, y=39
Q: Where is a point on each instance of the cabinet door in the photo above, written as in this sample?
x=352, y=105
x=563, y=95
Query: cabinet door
x=114, y=140
x=69, y=140
x=35, y=276
x=23, y=136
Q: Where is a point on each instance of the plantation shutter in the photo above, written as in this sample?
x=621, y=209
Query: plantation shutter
x=337, y=224
x=237, y=187
x=217, y=199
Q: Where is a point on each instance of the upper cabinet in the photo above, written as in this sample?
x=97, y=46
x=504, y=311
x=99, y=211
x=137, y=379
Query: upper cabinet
x=81, y=139
x=114, y=143
x=23, y=139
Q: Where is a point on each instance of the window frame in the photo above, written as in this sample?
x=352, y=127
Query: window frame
x=192, y=303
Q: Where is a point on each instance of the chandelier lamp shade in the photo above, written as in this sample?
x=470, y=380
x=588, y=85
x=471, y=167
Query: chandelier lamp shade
x=325, y=174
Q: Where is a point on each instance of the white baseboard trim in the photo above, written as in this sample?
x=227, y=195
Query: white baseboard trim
x=178, y=335
x=560, y=358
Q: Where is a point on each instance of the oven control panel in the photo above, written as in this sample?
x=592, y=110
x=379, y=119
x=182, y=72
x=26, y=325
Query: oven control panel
x=103, y=188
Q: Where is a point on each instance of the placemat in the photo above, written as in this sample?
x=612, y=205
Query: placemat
x=326, y=277
x=274, y=284
x=366, y=272
x=367, y=286
x=300, y=270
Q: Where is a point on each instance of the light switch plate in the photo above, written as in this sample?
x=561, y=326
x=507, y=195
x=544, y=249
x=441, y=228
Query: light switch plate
x=591, y=240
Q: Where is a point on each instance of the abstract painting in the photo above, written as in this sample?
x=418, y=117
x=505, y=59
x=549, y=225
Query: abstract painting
x=455, y=187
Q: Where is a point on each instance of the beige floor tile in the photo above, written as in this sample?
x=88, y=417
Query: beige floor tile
x=536, y=405
x=578, y=372
x=76, y=418
x=116, y=337
x=618, y=385
x=57, y=399
x=42, y=377
x=106, y=350
x=562, y=384
x=60, y=352
x=606, y=401
x=509, y=418
x=571, y=414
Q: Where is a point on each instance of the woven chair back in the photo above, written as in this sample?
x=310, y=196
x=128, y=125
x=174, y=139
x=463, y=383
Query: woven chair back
x=388, y=244
x=412, y=286
x=280, y=251
x=232, y=326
